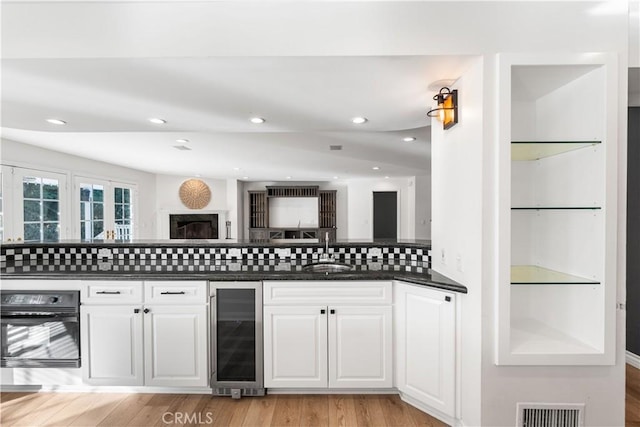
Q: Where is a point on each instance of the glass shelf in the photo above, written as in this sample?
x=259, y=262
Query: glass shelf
x=534, y=150
x=542, y=208
x=535, y=275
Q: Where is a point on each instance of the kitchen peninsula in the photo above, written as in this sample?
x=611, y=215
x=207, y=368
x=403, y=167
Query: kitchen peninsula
x=151, y=317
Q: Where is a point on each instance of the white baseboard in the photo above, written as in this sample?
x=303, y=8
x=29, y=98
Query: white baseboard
x=331, y=391
x=633, y=360
x=104, y=389
x=429, y=410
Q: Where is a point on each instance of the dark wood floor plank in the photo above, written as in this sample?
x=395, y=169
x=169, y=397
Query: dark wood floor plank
x=288, y=411
x=342, y=410
x=261, y=410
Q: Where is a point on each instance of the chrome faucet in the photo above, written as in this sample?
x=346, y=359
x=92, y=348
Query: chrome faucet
x=325, y=257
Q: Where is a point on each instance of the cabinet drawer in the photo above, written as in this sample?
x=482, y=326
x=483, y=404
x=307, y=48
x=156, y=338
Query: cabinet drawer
x=175, y=292
x=327, y=292
x=111, y=292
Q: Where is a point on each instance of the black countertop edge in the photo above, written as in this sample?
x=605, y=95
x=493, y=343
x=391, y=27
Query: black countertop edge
x=432, y=279
x=218, y=243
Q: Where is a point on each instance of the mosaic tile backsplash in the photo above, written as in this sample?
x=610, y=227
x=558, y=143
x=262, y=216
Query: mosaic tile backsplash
x=147, y=257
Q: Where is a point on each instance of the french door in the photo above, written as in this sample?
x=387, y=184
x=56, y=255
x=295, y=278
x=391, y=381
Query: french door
x=106, y=209
x=33, y=204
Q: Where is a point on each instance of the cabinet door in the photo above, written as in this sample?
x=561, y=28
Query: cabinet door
x=360, y=347
x=425, y=346
x=111, y=345
x=175, y=342
x=295, y=346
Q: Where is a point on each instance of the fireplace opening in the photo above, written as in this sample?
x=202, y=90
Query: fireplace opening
x=193, y=226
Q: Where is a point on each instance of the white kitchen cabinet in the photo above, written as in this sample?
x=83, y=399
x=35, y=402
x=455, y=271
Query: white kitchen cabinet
x=338, y=344
x=175, y=345
x=295, y=346
x=360, y=347
x=425, y=346
x=112, y=345
x=556, y=210
x=126, y=340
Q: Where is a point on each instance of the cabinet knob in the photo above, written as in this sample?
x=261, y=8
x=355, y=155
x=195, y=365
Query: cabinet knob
x=332, y=311
x=136, y=310
x=447, y=299
x=323, y=311
x=146, y=310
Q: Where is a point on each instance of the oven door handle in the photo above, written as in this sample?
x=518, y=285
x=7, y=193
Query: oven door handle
x=30, y=320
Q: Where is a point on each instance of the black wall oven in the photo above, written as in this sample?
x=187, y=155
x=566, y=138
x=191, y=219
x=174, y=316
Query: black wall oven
x=40, y=329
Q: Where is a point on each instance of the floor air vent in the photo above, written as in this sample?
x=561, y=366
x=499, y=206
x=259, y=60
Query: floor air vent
x=550, y=415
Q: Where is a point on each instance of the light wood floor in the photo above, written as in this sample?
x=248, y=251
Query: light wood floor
x=106, y=409
x=632, y=413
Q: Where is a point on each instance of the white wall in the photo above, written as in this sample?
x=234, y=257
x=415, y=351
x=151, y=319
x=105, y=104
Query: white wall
x=24, y=155
x=456, y=232
x=167, y=201
x=360, y=205
x=423, y=207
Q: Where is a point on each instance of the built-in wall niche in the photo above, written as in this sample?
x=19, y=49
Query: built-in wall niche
x=292, y=212
x=556, y=212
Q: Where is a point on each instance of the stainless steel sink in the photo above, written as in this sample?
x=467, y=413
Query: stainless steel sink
x=327, y=267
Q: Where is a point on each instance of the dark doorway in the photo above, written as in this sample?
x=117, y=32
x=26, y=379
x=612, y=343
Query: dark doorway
x=193, y=226
x=385, y=215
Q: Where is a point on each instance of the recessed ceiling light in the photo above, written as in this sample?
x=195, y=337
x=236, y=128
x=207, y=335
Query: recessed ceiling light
x=157, y=121
x=288, y=177
x=182, y=141
x=386, y=177
x=245, y=177
x=359, y=120
x=56, y=122
x=409, y=139
x=376, y=168
x=335, y=177
x=257, y=120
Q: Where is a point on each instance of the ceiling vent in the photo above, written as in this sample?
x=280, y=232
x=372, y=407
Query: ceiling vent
x=550, y=415
x=335, y=147
x=182, y=147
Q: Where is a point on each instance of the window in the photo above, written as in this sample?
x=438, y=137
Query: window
x=41, y=204
x=91, y=212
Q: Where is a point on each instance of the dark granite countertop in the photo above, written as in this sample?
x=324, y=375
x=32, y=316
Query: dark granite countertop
x=233, y=271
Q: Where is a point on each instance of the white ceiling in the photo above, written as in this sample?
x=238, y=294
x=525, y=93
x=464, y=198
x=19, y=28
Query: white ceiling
x=307, y=67
x=308, y=103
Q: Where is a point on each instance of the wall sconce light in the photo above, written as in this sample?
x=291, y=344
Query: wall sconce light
x=447, y=110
